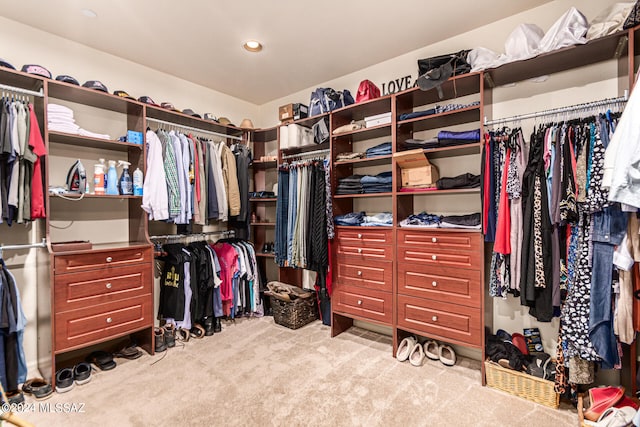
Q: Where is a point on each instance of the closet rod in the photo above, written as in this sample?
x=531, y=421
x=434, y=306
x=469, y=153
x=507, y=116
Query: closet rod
x=40, y=93
x=150, y=119
x=551, y=112
x=307, y=153
x=225, y=233
x=42, y=244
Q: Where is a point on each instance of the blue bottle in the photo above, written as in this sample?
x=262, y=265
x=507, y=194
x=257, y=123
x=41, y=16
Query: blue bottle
x=112, y=179
x=126, y=184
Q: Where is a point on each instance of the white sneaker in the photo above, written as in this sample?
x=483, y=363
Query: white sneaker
x=404, y=349
x=447, y=355
x=416, y=358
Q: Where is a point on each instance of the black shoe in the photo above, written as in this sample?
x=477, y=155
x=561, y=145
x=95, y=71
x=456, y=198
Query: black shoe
x=217, y=326
x=64, y=380
x=169, y=335
x=82, y=373
x=208, y=326
x=160, y=345
x=15, y=397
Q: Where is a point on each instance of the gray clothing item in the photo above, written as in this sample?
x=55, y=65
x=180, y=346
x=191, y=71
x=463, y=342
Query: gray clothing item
x=213, y=209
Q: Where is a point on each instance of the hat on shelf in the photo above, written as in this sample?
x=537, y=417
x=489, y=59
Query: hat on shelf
x=246, y=124
x=4, y=63
x=67, y=79
x=123, y=94
x=211, y=117
x=225, y=121
x=147, y=100
x=38, y=70
x=169, y=106
x=95, y=84
x=190, y=112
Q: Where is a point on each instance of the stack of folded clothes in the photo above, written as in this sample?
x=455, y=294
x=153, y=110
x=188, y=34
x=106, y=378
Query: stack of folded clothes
x=438, y=109
x=447, y=138
x=380, y=183
x=383, y=219
x=412, y=143
x=348, y=156
x=350, y=185
x=466, y=180
x=383, y=149
x=60, y=119
x=427, y=220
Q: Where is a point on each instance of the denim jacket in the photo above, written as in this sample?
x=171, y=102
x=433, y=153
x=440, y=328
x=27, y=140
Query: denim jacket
x=610, y=225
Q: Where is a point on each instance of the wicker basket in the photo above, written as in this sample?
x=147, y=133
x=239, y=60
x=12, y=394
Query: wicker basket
x=520, y=384
x=295, y=313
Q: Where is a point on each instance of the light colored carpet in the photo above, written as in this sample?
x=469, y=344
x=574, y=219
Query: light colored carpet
x=258, y=373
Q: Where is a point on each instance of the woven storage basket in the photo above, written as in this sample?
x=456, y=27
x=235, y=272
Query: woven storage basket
x=520, y=384
x=296, y=313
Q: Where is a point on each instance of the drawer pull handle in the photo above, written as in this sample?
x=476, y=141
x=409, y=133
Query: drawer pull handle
x=359, y=236
x=434, y=318
x=108, y=285
x=109, y=259
x=434, y=257
x=359, y=273
x=359, y=302
x=109, y=320
x=434, y=283
x=359, y=250
x=434, y=240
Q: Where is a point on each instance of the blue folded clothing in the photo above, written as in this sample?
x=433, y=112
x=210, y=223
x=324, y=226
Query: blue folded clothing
x=379, y=150
x=381, y=178
x=467, y=135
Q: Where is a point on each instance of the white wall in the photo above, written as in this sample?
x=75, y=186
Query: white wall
x=591, y=83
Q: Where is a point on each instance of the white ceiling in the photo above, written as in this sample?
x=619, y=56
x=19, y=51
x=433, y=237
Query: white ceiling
x=305, y=42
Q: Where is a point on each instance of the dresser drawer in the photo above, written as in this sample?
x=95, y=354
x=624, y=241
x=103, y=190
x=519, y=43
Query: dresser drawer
x=440, y=320
x=452, y=285
x=83, y=289
x=368, y=274
x=435, y=257
x=101, y=259
x=365, y=303
x=91, y=325
x=365, y=236
x=364, y=252
x=432, y=240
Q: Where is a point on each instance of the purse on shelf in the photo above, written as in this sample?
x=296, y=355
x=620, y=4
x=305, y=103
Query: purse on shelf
x=367, y=90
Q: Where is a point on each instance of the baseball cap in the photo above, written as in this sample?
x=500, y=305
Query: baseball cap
x=147, y=100
x=211, y=117
x=38, y=70
x=225, y=121
x=169, y=106
x=4, y=63
x=123, y=94
x=67, y=79
x=190, y=112
x=95, y=84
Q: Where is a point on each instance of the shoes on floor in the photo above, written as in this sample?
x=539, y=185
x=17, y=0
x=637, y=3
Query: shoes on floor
x=431, y=350
x=183, y=334
x=169, y=335
x=208, y=326
x=616, y=417
x=447, y=355
x=416, y=357
x=601, y=399
x=38, y=387
x=130, y=352
x=217, y=326
x=64, y=380
x=197, y=331
x=82, y=373
x=405, y=347
x=160, y=345
x=15, y=397
x=102, y=360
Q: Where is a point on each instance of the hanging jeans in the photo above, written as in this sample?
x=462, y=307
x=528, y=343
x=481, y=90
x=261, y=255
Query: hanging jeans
x=282, y=217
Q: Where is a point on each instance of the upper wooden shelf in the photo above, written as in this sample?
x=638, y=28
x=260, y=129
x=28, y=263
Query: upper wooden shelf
x=361, y=195
x=364, y=109
x=93, y=98
x=602, y=49
x=308, y=121
x=181, y=119
x=21, y=80
x=368, y=161
x=263, y=199
x=439, y=229
x=265, y=135
x=257, y=164
x=85, y=141
x=364, y=133
x=455, y=87
x=438, y=192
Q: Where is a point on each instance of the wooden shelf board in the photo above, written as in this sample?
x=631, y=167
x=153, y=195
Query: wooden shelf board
x=94, y=98
x=469, y=115
x=260, y=254
x=361, y=195
x=365, y=133
x=85, y=141
x=360, y=110
x=263, y=224
x=257, y=164
x=93, y=196
x=439, y=192
x=440, y=229
x=371, y=161
x=263, y=199
x=455, y=87
x=187, y=120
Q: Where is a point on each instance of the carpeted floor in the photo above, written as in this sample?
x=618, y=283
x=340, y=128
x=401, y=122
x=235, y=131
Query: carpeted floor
x=256, y=373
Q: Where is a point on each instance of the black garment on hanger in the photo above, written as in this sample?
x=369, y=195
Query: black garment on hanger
x=172, y=282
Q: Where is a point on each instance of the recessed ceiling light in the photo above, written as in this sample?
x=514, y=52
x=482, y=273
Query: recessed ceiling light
x=89, y=13
x=252, y=46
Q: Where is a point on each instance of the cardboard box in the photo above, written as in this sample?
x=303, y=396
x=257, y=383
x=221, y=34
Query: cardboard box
x=416, y=169
x=293, y=112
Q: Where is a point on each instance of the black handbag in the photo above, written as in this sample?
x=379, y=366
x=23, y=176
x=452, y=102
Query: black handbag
x=634, y=17
x=457, y=60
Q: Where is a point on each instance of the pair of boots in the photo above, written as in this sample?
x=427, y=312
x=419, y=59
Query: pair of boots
x=210, y=326
x=164, y=337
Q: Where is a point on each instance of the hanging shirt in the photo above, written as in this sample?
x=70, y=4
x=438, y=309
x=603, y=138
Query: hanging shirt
x=155, y=199
x=37, y=147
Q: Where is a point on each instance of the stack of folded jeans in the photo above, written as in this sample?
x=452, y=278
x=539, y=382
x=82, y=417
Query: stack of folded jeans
x=383, y=149
x=352, y=218
x=383, y=219
x=350, y=185
x=438, y=109
x=423, y=219
x=380, y=183
x=466, y=180
x=421, y=143
x=349, y=156
x=447, y=138
x=470, y=221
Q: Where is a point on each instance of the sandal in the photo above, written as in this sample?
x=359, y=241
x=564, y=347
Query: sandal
x=431, y=350
x=38, y=387
x=183, y=334
x=102, y=360
x=130, y=353
x=197, y=331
